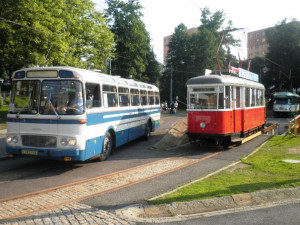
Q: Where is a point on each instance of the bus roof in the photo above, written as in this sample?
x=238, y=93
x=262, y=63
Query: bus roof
x=222, y=79
x=90, y=75
x=284, y=95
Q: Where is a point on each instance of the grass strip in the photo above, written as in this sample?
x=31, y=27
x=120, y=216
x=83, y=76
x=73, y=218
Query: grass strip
x=263, y=170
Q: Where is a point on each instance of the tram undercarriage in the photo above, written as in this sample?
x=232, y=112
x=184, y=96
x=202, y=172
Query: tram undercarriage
x=224, y=140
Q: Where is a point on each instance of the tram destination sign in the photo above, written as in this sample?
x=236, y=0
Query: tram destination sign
x=248, y=75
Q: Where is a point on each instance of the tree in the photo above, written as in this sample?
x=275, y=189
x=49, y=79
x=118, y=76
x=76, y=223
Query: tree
x=189, y=55
x=41, y=33
x=283, y=57
x=132, y=40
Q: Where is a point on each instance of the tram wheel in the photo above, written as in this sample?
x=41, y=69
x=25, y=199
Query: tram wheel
x=107, y=147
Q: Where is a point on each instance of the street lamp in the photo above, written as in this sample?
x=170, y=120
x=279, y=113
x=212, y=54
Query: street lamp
x=171, y=84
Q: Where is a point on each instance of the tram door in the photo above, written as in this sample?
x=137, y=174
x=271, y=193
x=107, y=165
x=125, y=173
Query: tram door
x=237, y=109
x=229, y=105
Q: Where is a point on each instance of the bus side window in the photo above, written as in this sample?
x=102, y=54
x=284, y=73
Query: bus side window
x=134, y=97
x=109, y=96
x=151, y=97
x=123, y=96
x=143, y=96
x=92, y=95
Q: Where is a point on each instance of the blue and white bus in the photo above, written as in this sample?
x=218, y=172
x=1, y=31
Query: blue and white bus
x=72, y=114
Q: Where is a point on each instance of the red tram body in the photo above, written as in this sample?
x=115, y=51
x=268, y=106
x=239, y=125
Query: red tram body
x=222, y=107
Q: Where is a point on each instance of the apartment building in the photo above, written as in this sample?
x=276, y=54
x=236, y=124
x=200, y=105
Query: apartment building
x=257, y=44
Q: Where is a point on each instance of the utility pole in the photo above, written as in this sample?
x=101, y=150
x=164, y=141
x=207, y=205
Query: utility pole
x=171, y=84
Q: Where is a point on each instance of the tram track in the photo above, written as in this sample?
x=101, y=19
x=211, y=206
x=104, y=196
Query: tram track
x=32, y=203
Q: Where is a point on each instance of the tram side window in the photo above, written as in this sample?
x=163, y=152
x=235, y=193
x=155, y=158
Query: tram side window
x=227, y=97
x=156, y=96
x=247, y=97
x=109, y=96
x=134, y=97
x=93, y=98
x=151, y=97
x=253, y=97
x=238, y=97
x=143, y=97
x=123, y=96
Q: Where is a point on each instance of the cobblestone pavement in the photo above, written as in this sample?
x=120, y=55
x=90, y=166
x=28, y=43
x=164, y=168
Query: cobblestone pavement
x=86, y=189
x=69, y=214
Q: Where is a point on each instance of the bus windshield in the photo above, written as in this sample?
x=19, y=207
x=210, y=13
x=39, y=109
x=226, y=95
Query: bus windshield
x=62, y=97
x=49, y=97
x=25, y=97
x=281, y=101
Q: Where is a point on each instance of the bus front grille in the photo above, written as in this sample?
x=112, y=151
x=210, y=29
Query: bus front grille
x=38, y=141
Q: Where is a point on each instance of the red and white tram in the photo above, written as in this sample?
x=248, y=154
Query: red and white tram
x=223, y=107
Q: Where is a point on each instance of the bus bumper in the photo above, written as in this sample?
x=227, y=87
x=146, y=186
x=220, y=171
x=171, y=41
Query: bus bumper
x=70, y=154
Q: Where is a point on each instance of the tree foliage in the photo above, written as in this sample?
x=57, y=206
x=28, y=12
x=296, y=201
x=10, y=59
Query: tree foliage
x=190, y=54
x=52, y=32
x=283, y=57
x=133, y=50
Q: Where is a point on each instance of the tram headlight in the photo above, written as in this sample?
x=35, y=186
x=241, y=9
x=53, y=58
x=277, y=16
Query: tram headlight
x=202, y=125
x=11, y=139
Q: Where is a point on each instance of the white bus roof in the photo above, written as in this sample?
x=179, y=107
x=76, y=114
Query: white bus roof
x=90, y=75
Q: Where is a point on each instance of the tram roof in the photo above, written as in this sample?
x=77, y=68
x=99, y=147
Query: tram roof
x=90, y=75
x=222, y=79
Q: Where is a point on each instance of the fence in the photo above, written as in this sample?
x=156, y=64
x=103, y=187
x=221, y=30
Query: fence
x=294, y=126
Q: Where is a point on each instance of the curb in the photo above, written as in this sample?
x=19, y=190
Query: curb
x=179, y=211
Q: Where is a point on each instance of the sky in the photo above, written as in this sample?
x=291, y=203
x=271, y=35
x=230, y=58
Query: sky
x=161, y=17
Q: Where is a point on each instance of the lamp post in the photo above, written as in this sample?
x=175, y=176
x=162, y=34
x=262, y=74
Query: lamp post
x=171, y=84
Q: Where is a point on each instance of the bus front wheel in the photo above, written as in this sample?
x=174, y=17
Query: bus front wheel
x=107, y=146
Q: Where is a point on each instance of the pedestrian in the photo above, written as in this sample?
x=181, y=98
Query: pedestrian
x=172, y=108
x=175, y=106
x=165, y=107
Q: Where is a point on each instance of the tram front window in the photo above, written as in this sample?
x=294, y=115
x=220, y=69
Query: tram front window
x=203, y=101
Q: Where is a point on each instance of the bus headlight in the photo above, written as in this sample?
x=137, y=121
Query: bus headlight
x=68, y=141
x=64, y=141
x=12, y=139
x=72, y=142
x=202, y=125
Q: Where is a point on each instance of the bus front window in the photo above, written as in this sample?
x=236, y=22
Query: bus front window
x=25, y=97
x=61, y=97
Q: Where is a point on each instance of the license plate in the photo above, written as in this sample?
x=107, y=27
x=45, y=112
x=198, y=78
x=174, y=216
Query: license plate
x=27, y=152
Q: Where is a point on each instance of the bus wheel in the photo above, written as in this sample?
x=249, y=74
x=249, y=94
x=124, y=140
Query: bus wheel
x=107, y=147
x=147, y=131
